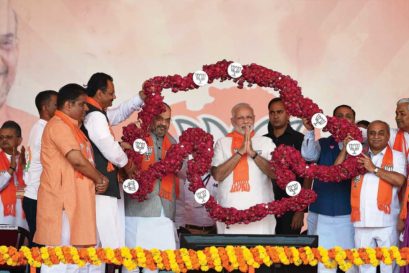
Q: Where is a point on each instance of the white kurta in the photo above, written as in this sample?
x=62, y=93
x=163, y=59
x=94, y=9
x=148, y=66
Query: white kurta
x=33, y=166
x=371, y=216
x=261, y=187
x=377, y=228
x=110, y=214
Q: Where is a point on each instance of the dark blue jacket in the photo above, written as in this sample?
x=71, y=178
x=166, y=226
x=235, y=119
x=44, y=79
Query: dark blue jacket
x=333, y=198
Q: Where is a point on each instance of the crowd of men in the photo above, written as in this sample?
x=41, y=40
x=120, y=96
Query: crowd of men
x=65, y=188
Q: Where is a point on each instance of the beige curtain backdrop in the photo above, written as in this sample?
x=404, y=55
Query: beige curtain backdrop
x=352, y=52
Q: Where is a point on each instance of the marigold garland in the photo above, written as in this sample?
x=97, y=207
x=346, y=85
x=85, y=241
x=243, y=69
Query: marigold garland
x=218, y=258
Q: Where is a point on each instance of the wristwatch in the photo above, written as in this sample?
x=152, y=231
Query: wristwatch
x=376, y=170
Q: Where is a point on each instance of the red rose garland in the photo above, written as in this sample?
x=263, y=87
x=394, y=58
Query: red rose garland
x=193, y=141
x=290, y=164
x=199, y=143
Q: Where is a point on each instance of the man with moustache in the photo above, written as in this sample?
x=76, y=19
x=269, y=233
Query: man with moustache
x=240, y=165
x=11, y=175
x=399, y=141
x=374, y=195
x=108, y=155
x=331, y=211
x=8, y=65
x=281, y=132
x=149, y=224
x=66, y=196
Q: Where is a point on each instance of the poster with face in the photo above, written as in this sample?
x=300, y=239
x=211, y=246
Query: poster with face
x=340, y=52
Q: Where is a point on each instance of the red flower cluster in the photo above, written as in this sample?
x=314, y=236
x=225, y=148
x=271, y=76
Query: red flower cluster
x=193, y=141
x=289, y=164
x=287, y=161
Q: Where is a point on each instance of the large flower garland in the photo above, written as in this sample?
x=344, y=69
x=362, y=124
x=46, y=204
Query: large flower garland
x=217, y=258
x=199, y=143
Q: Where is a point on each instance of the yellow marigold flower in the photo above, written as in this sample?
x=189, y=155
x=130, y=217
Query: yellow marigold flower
x=4, y=249
x=202, y=257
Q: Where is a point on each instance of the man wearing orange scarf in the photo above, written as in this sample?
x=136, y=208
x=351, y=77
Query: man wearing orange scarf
x=375, y=204
x=149, y=224
x=69, y=181
x=240, y=165
x=109, y=156
x=399, y=140
x=11, y=175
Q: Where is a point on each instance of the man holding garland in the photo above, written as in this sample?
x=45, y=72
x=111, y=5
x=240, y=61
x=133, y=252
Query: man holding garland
x=149, y=224
x=375, y=204
x=331, y=211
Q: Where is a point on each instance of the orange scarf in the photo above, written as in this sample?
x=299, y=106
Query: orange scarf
x=400, y=145
x=85, y=145
x=110, y=166
x=400, y=142
x=9, y=193
x=241, y=171
x=167, y=181
x=384, y=198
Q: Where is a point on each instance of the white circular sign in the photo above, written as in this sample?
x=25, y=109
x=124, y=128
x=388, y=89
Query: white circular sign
x=293, y=188
x=130, y=186
x=354, y=148
x=202, y=195
x=319, y=120
x=234, y=70
x=140, y=146
x=200, y=78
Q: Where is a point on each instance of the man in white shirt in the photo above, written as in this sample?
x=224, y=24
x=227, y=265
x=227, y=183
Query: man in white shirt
x=375, y=205
x=108, y=155
x=11, y=175
x=240, y=165
x=46, y=103
x=399, y=139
